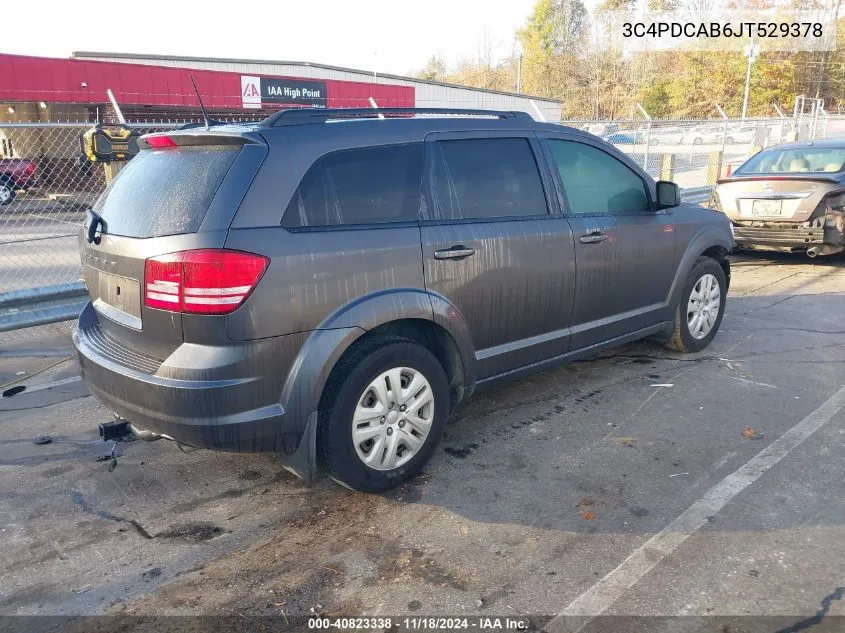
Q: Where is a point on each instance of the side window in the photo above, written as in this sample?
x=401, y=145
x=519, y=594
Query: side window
x=486, y=178
x=359, y=186
x=596, y=182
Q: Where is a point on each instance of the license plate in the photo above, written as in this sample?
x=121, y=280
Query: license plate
x=767, y=207
x=119, y=293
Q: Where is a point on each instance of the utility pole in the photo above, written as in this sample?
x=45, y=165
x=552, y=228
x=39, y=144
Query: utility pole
x=647, y=135
x=751, y=52
x=724, y=116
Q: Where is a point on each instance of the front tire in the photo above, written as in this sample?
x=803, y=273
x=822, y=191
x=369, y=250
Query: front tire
x=699, y=314
x=382, y=414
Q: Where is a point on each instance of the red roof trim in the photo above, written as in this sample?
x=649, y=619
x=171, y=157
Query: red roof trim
x=85, y=82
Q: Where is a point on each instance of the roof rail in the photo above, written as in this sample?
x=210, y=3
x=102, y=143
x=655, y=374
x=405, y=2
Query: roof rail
x=303, y=116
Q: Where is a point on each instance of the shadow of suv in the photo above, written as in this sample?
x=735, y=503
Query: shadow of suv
x=329, y=285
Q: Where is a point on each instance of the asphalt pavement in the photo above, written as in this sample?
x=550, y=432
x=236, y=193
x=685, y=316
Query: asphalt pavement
x=695, y=492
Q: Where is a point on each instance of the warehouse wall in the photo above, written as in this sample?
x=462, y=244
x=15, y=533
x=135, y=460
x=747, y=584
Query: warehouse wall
x=428, y=94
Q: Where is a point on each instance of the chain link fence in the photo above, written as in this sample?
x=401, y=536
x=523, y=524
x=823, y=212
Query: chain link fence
x=49, y=184
x=695, y=153
x=46, y=186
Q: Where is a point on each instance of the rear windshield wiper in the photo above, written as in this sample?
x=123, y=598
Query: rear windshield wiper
x=95, y=221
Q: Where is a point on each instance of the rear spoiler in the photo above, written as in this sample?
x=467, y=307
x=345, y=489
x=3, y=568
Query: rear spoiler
x=176, y=138
x=814, y=177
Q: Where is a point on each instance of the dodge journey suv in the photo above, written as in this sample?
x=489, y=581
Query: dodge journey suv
x=330, y=284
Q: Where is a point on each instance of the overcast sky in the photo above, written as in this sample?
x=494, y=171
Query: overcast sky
x=386, y=36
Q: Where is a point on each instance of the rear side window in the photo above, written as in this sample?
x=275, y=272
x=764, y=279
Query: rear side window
x=370, y=185
x=486, y=178
x=596, y=182
x=165, y=192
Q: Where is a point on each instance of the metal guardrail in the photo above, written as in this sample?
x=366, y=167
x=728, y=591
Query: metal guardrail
x=696, y=195
x=41, y=306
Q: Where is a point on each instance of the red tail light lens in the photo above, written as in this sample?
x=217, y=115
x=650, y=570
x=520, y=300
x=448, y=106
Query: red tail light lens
x=160, y=142
x=30, y=168
x=163, y=283
x=206, y=281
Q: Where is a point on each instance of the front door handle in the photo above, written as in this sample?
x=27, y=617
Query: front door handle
x=456, y=252
x=593, y=238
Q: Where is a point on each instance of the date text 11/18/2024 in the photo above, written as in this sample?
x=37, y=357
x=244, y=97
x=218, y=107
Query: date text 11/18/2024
x=420, y=623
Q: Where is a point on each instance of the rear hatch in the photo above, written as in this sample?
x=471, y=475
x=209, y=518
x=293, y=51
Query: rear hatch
x=176, y=197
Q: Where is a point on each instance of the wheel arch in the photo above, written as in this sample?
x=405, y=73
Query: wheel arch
x=426, y=318
x=708, y=242
x=440, y=342
x=434, y=337
x=720, y=254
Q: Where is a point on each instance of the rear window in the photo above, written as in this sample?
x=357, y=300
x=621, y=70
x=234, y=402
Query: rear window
x=795, y=160
x=165, y=192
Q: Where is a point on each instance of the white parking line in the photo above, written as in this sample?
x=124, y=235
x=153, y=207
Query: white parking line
x=609, y=589
x=55, y=383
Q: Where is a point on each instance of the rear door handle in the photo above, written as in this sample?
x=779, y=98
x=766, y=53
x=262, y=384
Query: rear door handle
x=593, y=238
x=456, y=252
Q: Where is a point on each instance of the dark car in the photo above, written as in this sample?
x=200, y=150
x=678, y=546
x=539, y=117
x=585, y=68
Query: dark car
x=16, y=174
x=330, y=285
x=788, y=197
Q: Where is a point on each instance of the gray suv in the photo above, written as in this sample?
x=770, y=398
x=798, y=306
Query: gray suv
x=330, y=284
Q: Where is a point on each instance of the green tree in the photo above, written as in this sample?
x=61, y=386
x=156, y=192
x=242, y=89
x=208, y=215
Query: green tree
x=551, y=40
x=568, y=57
x=656, y=98
x=435, y=69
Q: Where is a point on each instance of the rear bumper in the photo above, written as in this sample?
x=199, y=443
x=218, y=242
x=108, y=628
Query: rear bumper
x=788, y=235
x=229, y=399
x=754, y=236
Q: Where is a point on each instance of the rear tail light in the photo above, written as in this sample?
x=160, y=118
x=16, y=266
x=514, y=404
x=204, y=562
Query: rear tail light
x=206, y=281
x=30, y=168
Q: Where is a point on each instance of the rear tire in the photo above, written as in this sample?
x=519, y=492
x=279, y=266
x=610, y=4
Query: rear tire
x=7, y=191
x=365, y=443
x=689, y=334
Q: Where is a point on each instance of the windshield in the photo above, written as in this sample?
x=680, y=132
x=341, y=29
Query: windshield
x=795, y=160
x=164, y=192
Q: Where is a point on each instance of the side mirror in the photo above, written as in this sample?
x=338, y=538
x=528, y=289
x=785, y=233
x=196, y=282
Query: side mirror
x=668, y=194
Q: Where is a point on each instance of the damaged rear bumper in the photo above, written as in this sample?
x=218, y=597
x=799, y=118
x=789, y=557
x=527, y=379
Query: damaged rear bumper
x=825, y=234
